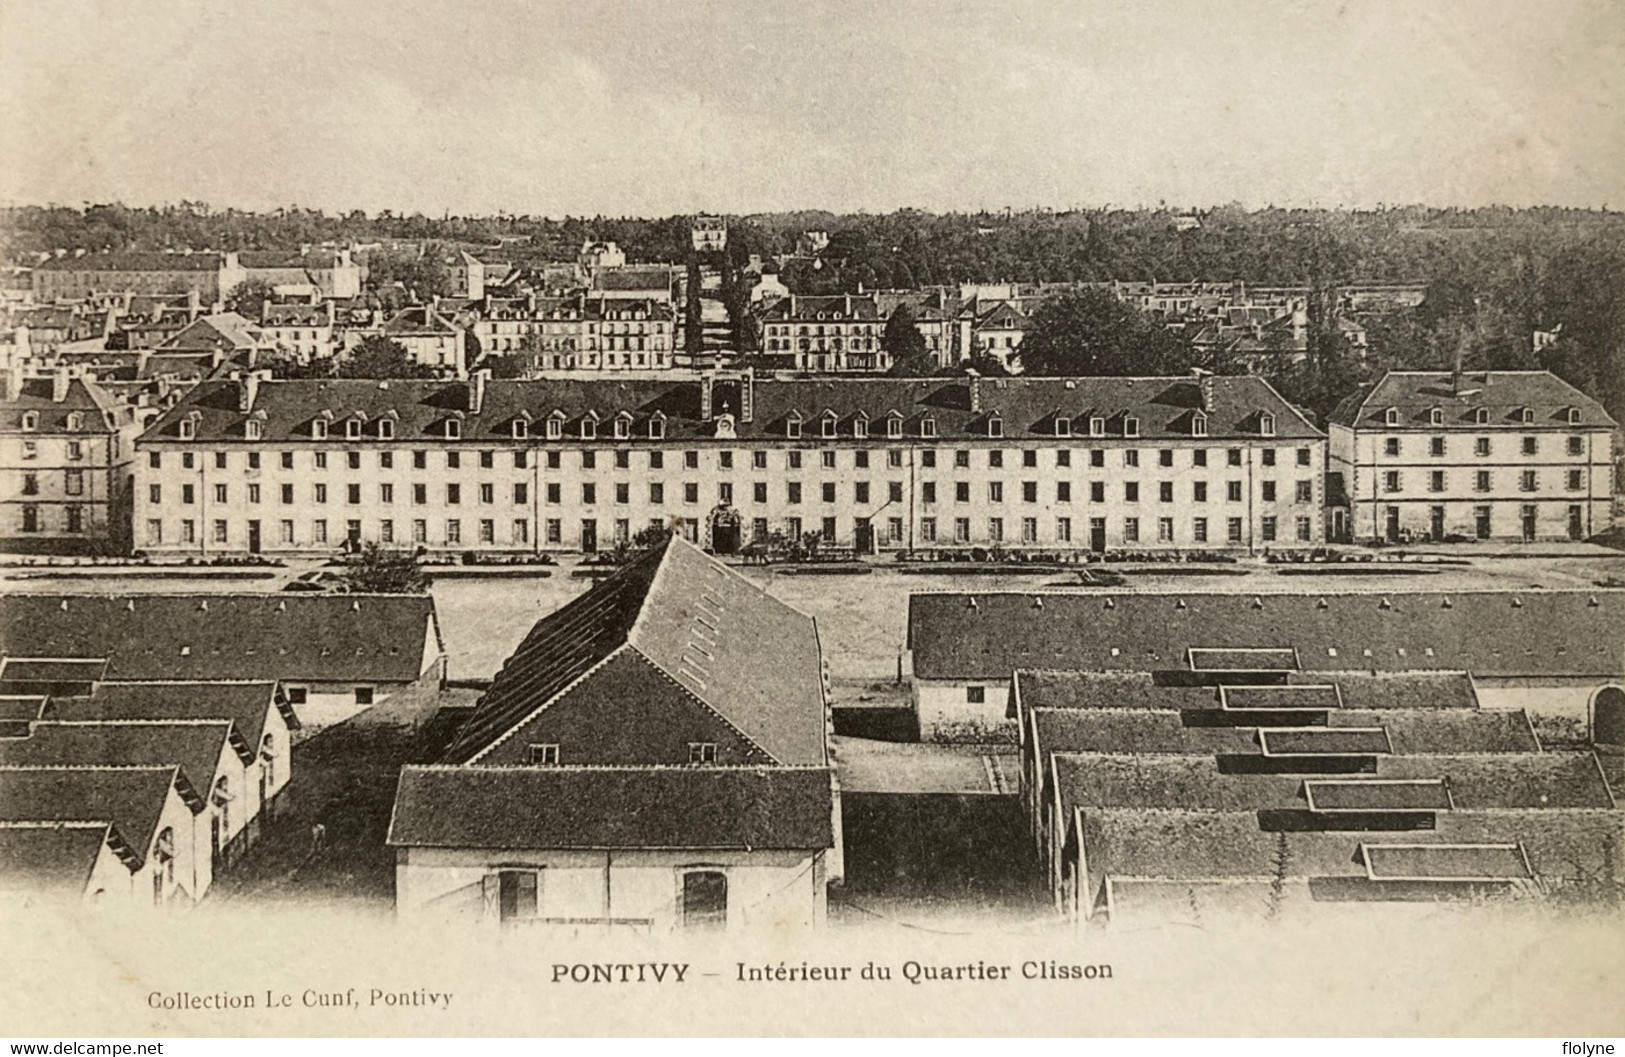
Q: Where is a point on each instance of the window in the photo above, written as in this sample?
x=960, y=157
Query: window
x=1481, y=481
x=995, y=529
x=1577, y=445
x=758, y=490
x=702, y=752
x=386, y=429
x=1131, y=457
x=546, y=755
x=420, y=460
x=352, y=429
x=1063, y=457
x=995, y=426
x=155, y=530
x=1199, y=530
x=420, y=531
x=1436, y=481
x=454, y=531
x=793, y=491
x=75, y=483
x=1029, y=457
x=961, y=530
x=1199, y=457
x=554, y=460
x=386, y=531
x=1436, y=446
x=454, y=460
x=1165, y=491
x=976, y=695
x=928, y=529
x=187, y=460
x=1576, y=480
x=1131, y=530
x=363, y=695
x=1391, y=481
x=1063, y=491
x=995, y=459
x=705, y=900
x=1165, y=457
x=1232, y=530
x=1097, y=491
x=1530, y=481
x=521, y=460
x=691, y=492
x=1305, y=529
x=31, y=423
x=1165, y=530
x=1131, y=426
x=589, y=494
x=1199, y=491
x=961, y=491
x=352, y=493
x=794, y=459
x=454, y=494
x=962, y=459
x=1531, y=445
x=928, y=458
x=995, y=491
x=1131, y=491
x=31, y=518
x=189, y=494
x=1029, y=491
x=555, y=530
x=1063, y=426
x=220, y=531
x=860, y=459
x=488, y=530
x=1267, y=529
x=1390, y=446
x=319, y=531
x=1481, y=446
x=1063, y=530
x=1266, y=456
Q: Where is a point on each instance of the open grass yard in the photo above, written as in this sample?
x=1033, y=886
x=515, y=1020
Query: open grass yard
x=344, y=780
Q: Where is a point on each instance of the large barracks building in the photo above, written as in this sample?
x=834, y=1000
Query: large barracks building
x=248, y=465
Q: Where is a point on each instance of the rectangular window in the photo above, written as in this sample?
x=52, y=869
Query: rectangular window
x=188, y=529
x=1266, y=491
x=253, y=460
x=976, y=695
x=995, y=459
x=623, y=492
x=74, y=483
x=487, y=459
x=155, y=460
x=1063, y=491
x=488, y=530
x=725, y=459
x=318, y=532
x=691, y=492
x=1530, y=481
x=487, y=492
x=321, y=493
x=1304, y=457
x=1029, y=530
x=1391, y=481
x=220, y=493
x=1390, y=446
x=589, y=494
x=420, y=531
x=1481, y=481
x=962, y=459
x=155, y=493
x=253, y=493
x=1165, y=530
x=353, y=459
x=793, y=491
x=691, y=460
x=1481, y=446
x=219, y=460
x=1577, y=445
x=1097, y=457
x=1531, y=445
x=1267, y=456
x=995, y=491
x=189, y=494
x=555, y=530
x=928, y=458
x=894, y=458
x=1305, y=492
x=829, y=491
x=1063, y=530
x=860, y=459
x=794, y=460
x=1131, y=530
x=454, y=531
x=1305, y=528
x=220, y=531
x=1232, y=529
x=928, y=529
x=1165, y=457
x=1097, y=491
x=961, y=530
x=521, y=493
x=555, y=460
x=1029, y=491
x=454, y=494
x=758, y=460
x=995, y=529
x=420, y=494
x=420, y=460
x=928, y=492
x=554, y=492
x=1199, y=530
x=386, y=531
x=1436, y=481
x=1436, y=446
x=1199, y=491
x=702, y=752
x=521, y=530
x=286, y=530
x=894, y=530
x=894, y=491
x=352, y=493
x=1199, y=457
x=758, y=491
x=1165, y=491
x=1267, y=529
x=961, y=491
x=1131, y=491
x=1131, y=457
x=1576, y=480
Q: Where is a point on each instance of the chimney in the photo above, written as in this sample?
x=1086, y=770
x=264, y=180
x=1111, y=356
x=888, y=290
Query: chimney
x=248, y=390
x=975, y=390
x=706, y=381
x=747, y=395
x=1455, y=373
x=193, y=305
x=265, y=310
x=59, y=385
x=476, y=389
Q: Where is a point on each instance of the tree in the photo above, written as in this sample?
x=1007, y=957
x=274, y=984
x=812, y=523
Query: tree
x=1093, y=332
x=248, y=298
x=903, y=340
x=376, y=570
x=376, y=356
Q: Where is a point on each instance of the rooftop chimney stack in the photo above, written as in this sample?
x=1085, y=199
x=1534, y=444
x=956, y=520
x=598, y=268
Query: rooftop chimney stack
x=747, y=395
x=476, y=389
x=975, y=390
x=59, y=385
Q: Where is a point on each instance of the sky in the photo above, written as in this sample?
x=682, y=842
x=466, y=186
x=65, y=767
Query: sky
x=627, y=107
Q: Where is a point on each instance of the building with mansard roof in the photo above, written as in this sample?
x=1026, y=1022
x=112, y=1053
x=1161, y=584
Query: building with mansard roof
x=1041, y=464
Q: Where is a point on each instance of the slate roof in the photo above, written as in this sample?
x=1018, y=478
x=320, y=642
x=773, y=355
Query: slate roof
x=703, y=808
x=314, y=637
x=244, y=704
x=135, y=262
x=226, y=331
x=745, y=655
x=35, y=395
x=56, y=857
x=1378, y=692
x=633, y=278
x=1504, y=394
x=19, y=671
x=419, y=319
x=1027, y=407
x=130, y=798
x=838, y=308
x=296, y=315
x=1488, y=633
x=195, y=747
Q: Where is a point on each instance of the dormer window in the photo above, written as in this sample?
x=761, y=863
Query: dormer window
x=1131, y=426
x=1481, y=416
x=555, y=426
x=76, y=422
x=995, y=426
x=1390, y=417
x=928, y=427
x=1526, y=415
x=521, y=429
x=454, y=429
x=894, y=425
x=187, y=428
x=826, y=425
x=386, y=429
x=352, y=429
x=1097, y=426
x=792, y=426
x=1198, y=425
x=1435, y=417
x=30, y=421
x=254, y=429
x=623, y=426
x=1063, y=426
x=1266, y=424
x=657, y=426
x=318, y=428
x=860, y=427
x=589, y=428
x=1574, y=416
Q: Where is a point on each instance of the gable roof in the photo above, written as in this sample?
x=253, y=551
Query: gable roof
x=614, y=807
x=702, y=624
x=1504, y=395
x=135, y=262
x=1489, y=633
x=130, y=798
x=245, y=705
x=227, y=331
x=315, y=637
x=84, y=397
x=55, y=857
x=193, y=746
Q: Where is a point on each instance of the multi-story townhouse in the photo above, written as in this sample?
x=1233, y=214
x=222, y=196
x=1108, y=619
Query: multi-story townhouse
x=248, y=465
x=302, y=330
x=997, y=333
x=836, y=333
x=580, y=333
x=209, y=275
x=429, y=337
x=329, y=273
x=65, y=451
x=1517, y=455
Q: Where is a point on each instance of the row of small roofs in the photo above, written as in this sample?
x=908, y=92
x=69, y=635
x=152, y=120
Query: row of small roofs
x=1489, y=633
x=1224, y=407
x=1474, y=400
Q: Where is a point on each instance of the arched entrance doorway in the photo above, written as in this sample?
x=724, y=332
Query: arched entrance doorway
x=725, y=530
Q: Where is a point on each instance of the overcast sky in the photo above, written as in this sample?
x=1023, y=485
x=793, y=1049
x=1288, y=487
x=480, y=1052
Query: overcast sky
x=627, y=107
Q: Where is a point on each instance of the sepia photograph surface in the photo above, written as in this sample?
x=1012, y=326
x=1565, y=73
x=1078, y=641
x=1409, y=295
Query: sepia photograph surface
x=726, y=519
